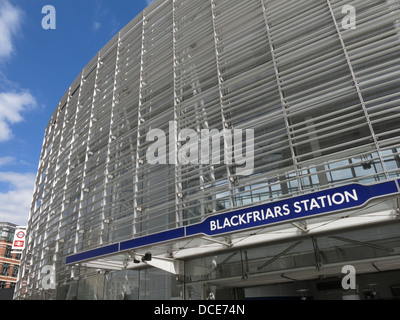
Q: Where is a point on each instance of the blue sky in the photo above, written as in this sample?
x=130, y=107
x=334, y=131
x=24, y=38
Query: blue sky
x=36, y=68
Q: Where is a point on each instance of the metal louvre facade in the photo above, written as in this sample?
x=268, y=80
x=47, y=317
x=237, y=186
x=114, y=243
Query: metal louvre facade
x=323, y=101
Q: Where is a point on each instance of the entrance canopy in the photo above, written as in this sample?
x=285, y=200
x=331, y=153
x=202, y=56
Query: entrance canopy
x=316, y=213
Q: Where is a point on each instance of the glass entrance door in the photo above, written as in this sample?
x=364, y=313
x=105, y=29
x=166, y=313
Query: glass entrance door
x=305, y=267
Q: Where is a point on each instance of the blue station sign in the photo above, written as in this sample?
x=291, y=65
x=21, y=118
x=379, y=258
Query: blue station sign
x=300, y=207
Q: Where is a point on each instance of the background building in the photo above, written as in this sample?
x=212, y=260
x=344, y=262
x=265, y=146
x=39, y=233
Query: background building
x=9, y=261
x=324, y=103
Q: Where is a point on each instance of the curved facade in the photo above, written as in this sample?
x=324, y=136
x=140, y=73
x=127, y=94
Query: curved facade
x=321, y=98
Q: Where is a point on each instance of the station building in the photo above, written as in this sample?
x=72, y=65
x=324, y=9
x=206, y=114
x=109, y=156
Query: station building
x=315, y=84
x=9, y=260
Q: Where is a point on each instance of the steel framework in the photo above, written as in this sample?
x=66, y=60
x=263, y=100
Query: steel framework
x=323, y=101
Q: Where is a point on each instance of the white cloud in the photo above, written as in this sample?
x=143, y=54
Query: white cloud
x=16, y=202
x=10, y=19
x=12, y=105
x=96, y=25
x=16, y=188
x=6, y=160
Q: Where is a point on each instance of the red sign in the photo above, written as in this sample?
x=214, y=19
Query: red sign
x=18, y=244
x=19, y=239
x=20, y=234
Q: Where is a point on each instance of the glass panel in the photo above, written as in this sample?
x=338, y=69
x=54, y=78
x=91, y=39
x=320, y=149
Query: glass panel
x=306, y=259
x=223, y=265
x=369, y=243
x=156, y=284
x=91, y=288
x=283, y=256
x=123, y=285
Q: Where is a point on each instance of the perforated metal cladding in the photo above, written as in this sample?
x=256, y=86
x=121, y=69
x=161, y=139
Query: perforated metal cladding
x=323, y=101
